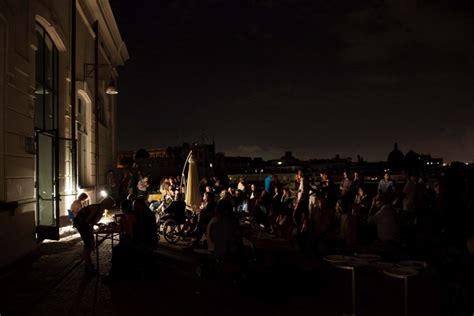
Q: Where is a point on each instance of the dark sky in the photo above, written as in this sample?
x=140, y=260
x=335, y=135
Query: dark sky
x=318, y=77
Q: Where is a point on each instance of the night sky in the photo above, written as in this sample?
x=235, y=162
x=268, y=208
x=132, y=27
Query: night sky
x=317, y=77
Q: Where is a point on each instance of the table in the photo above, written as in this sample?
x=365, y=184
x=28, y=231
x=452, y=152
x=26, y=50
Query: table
x=402, y=273
x=400, y=270
x=111, y=230
x=351, y=263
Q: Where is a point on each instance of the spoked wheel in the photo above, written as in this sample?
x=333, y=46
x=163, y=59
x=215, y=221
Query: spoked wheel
x=171, y=230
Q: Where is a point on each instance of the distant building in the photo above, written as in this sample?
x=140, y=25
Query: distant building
x=337, y=165
x=169, y=161
x=240, y=165
x=395, y=158
x=40, y=174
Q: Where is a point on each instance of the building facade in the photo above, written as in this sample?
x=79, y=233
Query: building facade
x=57, y=123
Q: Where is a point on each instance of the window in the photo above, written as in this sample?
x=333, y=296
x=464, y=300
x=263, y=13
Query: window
x=46, y=103
x=79, y=106
x=83, y=156
x=102, y=113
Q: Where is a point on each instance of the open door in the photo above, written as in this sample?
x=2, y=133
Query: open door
x=47, y=215
x=46, y=126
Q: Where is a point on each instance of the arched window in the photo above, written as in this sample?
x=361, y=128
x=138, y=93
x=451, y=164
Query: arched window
x=46, y=110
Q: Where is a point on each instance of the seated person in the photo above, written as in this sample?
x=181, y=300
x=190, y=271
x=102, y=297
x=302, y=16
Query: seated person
x=222, y=231
x=127, y=221
x=129, y=254
x=384, y=219
x=144, y=228
x=204, y=215
x=84, y=221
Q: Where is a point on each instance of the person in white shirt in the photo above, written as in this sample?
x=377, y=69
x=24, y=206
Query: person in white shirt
x=385, y=220
x=409, y=194
x=386, y=185
x=301, y=210
x=78, y=203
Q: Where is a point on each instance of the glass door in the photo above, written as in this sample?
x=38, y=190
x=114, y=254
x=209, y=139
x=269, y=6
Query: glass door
x=47, y=141
x=46, y=186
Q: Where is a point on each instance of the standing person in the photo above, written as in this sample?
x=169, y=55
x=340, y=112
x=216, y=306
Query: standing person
x=253, y=195
x=132, y=182
x=124, y=185
x=327, y=189
x=142, y=186
x=409, y=194
x=345, y=186
x=275, y=183
x=300, y=212
x=268, y=183
x=357, y=181
x=78, y=203
x=84, y=221
x=241, y=185
x=112, y=184
x=386, y=185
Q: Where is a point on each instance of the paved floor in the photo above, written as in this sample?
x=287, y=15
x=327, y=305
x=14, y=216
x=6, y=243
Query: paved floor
x=53, y=283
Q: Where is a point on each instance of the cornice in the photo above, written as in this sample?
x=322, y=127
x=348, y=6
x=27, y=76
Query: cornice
x=100, y=10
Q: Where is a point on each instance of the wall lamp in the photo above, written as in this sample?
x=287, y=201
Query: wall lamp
x=89, y=72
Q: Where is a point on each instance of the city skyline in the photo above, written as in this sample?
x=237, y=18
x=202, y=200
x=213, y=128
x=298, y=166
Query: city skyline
x=314, y=78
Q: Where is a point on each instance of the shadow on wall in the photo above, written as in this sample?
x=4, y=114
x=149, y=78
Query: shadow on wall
x=17, y=234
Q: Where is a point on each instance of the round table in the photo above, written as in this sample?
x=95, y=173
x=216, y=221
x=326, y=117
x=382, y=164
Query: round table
x=403, y=273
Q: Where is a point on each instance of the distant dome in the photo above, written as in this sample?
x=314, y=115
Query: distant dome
x=395, y=156
x=411, y=156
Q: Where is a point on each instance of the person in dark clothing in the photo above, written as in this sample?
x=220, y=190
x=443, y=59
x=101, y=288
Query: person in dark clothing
x=262, y=209
x=144, y=232
x=328, y=190
x=84, y=221
x=206, y=213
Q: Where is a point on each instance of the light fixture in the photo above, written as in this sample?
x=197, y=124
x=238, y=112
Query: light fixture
x=89, y=70
x=111, y=88
x=103, y=193
x=41, y=90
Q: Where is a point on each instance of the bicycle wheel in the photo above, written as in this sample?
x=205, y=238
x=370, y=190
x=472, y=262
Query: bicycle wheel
x=170, y=231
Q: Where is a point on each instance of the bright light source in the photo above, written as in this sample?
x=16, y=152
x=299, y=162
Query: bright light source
x=280, y=162
x=103, y=193
x=210, y=165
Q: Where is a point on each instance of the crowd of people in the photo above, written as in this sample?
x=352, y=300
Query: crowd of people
x=320, y=216
x=414, y=218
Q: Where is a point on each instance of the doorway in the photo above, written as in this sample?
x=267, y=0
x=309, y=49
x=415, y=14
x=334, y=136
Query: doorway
x=3, y=46
x=47, y=141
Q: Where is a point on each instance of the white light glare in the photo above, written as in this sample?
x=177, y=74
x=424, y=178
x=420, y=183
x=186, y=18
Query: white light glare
x=103, y=193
